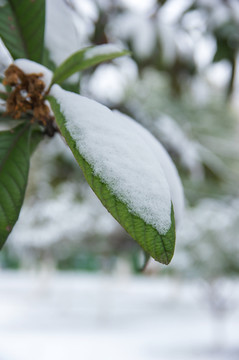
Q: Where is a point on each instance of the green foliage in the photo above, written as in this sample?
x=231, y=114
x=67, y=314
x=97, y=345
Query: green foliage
x=227, y=41
x=163, y=87
x=22, y=24
x=36, y=137
x=10, y=31
x=82, y=60
x=14, y=166
x=160, y=247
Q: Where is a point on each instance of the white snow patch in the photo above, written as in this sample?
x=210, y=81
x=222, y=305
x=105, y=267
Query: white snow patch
x=139, y=6
x=61, y=36
x=60, y=217
x=172, y=10
x=105, y=49
x=86, y=9
x=177, y=140
x=5, y=57
x=167, y=38
x=109, y=81
x=29, y=67
x=170, y=171
x=123, y=154
x=115, y=317
x=138, y=28
x=205, y=51
x=218, y=74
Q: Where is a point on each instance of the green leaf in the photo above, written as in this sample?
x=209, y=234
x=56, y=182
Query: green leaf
x=84, y=59
x=22, y=24
x=3, y=95
x=36, y=136
x=5, y=118
x=160, y=247
x=14, y=166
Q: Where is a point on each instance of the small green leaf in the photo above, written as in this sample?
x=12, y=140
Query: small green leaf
x=22, y=24
x=84, y=59
x=14, y=166
x=160, y=247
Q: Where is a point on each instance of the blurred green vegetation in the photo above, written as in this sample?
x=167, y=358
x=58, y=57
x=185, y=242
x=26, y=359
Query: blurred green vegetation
x=195, y=119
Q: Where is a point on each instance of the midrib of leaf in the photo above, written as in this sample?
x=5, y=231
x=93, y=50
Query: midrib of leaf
x=19, y=27
x=14, y=142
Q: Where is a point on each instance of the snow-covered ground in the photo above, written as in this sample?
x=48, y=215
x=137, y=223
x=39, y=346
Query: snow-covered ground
x=56, y=316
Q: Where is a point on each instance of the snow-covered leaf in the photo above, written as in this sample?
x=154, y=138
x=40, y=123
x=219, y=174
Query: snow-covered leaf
x=86, y=58
x=14, y=165
x=22, y=28
x=121, y=162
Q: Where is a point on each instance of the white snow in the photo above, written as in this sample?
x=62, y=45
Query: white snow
x=68, y=28
x=87, y=9
x=178, y=141
x=173, y=9
x=109, y=81
x=138, y=6
x=218, y=74
x=123, y=154
x=169, y=169
x=209, y=235
x=105, y=49
x=60, y=218
x=46, y=316
x=205, y=51
x=138, y=28
x=5, y=58
x=60, y=34
x=29, y=67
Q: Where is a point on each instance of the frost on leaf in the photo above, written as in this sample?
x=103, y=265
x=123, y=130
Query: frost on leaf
x=126, y=158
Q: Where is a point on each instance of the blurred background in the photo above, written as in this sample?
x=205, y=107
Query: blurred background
x=69, y=280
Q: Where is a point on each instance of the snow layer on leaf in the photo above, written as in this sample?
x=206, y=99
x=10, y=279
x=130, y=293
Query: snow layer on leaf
x=29, y=67
x=122, y=154
x=170, y=171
